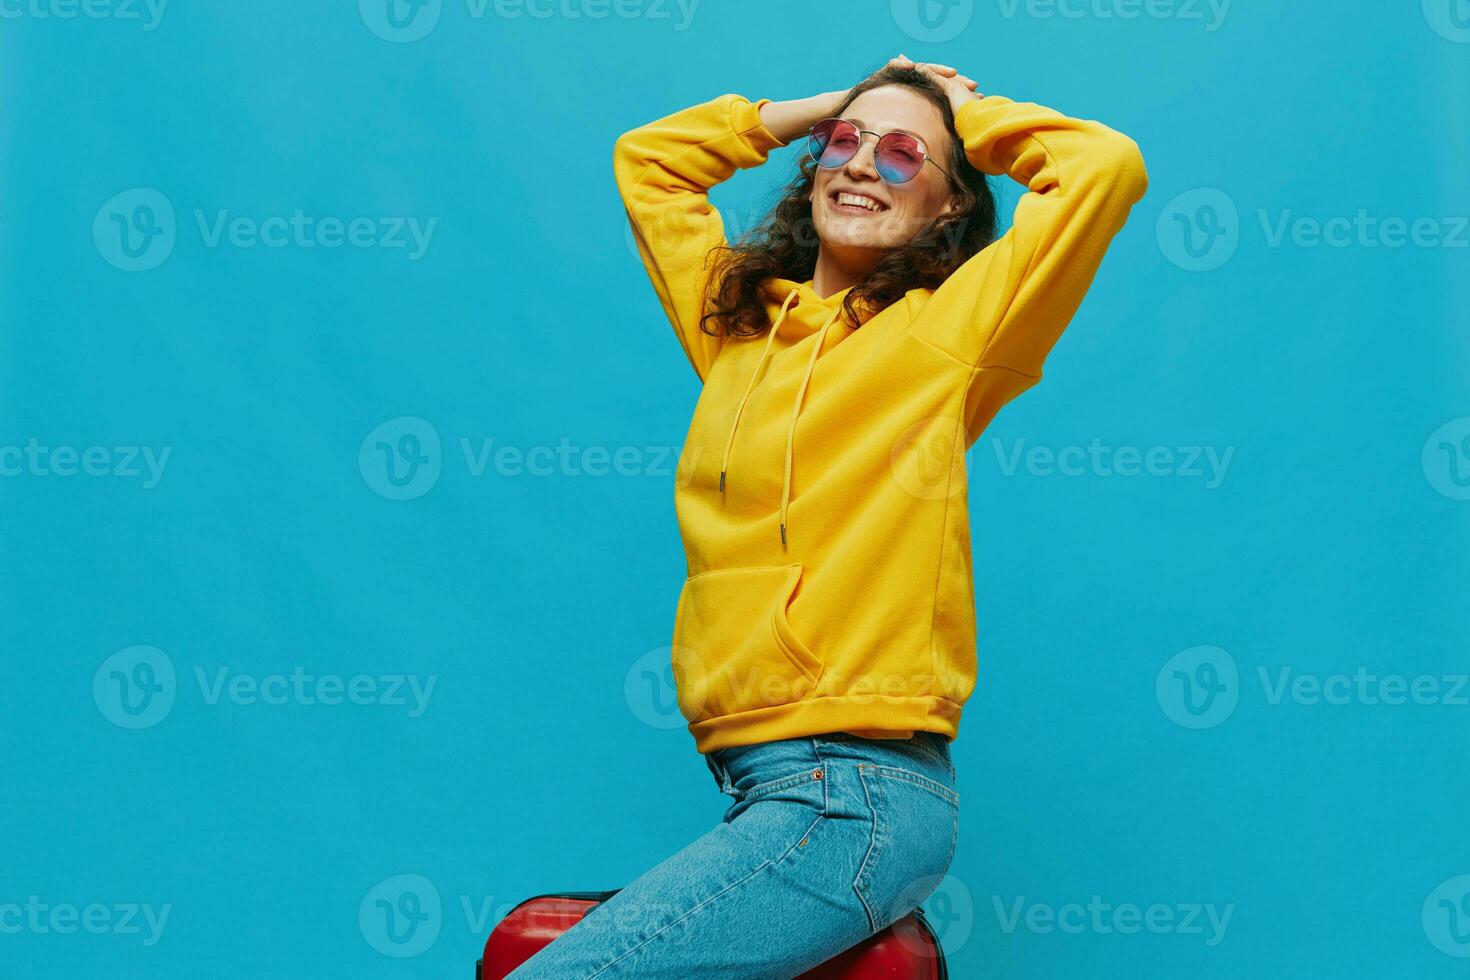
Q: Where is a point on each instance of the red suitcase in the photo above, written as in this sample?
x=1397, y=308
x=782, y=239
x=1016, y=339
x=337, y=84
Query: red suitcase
x=907, y=950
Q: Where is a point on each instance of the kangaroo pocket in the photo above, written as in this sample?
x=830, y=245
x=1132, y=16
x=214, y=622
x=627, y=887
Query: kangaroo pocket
x=734, y=648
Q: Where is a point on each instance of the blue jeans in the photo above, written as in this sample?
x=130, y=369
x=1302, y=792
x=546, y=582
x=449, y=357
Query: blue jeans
x=828, y=840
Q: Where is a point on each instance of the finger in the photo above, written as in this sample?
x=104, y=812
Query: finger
x=940, y=72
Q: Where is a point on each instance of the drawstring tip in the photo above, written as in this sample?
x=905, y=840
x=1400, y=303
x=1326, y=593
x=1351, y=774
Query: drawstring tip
x=722, y=481
x=783, y=534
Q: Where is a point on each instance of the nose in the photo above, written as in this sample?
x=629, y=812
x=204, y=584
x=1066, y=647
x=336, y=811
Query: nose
x=861, y=166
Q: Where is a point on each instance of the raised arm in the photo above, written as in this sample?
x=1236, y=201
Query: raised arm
x=1006, y=306
x=664, y=172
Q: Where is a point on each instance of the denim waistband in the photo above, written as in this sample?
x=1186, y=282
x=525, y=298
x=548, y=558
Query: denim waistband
x=739, y=768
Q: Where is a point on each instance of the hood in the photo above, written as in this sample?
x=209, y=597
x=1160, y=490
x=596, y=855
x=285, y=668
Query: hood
x=808, y=312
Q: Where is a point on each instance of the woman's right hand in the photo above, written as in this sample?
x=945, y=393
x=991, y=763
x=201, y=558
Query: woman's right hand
x=791, y=120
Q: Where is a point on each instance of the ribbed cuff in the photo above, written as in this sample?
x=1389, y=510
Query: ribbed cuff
x=747, y=122
x=972, y=121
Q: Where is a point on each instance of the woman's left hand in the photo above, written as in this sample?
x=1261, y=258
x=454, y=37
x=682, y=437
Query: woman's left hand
x=959, y=88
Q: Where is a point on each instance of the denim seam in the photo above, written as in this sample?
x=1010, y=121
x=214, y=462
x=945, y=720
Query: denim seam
x=774, y=785
x=927, y=745
x=954, y=837
x=822, y=763
x=767, y=863
x=858, y=882
x=944, y=760
x=722, y=775
x=924, y=782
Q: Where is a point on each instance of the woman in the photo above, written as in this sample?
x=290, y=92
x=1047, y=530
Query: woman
x=851, y=350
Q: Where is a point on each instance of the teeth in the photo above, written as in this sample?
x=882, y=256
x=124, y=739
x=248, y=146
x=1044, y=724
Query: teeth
x=859, y=200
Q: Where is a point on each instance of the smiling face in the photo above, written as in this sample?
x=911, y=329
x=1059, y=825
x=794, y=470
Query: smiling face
x=858, y=215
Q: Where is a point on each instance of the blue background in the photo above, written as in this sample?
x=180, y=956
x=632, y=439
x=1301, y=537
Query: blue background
x=544, y=761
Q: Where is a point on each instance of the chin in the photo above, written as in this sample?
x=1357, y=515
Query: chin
x=861, y=234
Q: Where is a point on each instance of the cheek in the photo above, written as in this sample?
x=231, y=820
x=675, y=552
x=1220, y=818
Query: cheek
x=920, y=200
x=921, y=207
x=912, y=207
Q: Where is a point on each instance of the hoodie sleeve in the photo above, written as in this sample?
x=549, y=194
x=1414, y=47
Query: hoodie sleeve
x=664, y=171
x=1007, y=305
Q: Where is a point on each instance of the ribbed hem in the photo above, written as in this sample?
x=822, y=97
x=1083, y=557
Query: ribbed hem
x=746, y=119
x=874, y=715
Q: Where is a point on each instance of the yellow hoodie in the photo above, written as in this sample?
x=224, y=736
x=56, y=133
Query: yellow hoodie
x=822, y=494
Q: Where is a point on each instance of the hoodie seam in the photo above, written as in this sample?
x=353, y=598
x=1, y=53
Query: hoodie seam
x=743, y=134
x=933, y=346
x=667, y=163
x=828, y=697
x=943, y=538
x=949, y=505
x=1007, y=367
x=975, y=368
x=1059, y=190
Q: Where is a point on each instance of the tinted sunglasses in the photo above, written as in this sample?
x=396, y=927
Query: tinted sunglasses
x=898, y=157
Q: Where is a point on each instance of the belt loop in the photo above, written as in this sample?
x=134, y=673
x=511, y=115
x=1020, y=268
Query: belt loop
x=721, y=774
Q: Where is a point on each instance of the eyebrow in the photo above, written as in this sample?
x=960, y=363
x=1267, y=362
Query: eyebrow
x=862, y=125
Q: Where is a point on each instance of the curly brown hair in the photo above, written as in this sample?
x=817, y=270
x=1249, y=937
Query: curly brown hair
x=784, y=244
